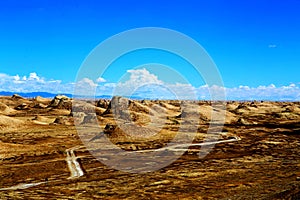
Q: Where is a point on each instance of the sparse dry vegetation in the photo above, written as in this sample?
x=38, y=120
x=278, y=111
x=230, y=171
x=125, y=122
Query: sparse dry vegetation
x=35, y=135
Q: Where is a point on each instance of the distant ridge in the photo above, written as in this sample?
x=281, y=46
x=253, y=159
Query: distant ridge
x=52, y=95
x=135, y=97
x=33, y=94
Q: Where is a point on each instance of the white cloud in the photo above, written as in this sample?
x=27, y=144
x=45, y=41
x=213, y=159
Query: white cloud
x=270, y=92
x=16, y=77
x=33, y=83
x=33, y=77
x=292, y=85
x=272, y=86
x=146, y=85
x=272, y=46
x=141, y=77
x=183, y=91
x=85, y=87
x=100, y=80
x=4, y=75
x=245, y=87
x=85, y=82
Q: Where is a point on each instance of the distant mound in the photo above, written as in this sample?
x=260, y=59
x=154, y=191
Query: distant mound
x=61, y=102
x=4, y=109
x=43, y=120
x=129, y=131
x=117, y=106
x=16, y=96
x=9, y=122
x=142, y=112
x=103, y=103
x=43, y=100
x=81, y=106
x=65, y=120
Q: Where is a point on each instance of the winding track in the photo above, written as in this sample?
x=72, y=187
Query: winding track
x=76, y=170
x=22, y=186
x=183, y=147
x=73, y=164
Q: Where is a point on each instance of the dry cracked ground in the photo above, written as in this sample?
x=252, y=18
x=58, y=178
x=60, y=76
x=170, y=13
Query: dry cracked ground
x=255, y=155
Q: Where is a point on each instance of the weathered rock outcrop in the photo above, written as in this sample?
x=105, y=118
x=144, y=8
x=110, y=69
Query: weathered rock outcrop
x=61, y=102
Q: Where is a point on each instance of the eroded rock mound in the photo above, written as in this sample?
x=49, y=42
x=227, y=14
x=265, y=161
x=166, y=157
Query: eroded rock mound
x=64, y=120
x=142, y=112
x=42, y=100
x=4, y=109
x=129, y=131
x=16, y=97
x=61, y=102
x=192, y=113
x=81, y=106
x=40, y=106
x=42, y=120
x=78, y=117
x=103, y=103
x=9, y=122
x=23, y=106
x=91, y=118
x=118, y=107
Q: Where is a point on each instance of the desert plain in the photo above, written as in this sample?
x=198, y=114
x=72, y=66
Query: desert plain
x=43, y=154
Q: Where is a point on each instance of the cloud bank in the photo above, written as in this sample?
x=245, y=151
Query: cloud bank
x=143, y=84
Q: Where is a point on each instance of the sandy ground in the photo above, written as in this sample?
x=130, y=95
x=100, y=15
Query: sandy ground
x=255, y=155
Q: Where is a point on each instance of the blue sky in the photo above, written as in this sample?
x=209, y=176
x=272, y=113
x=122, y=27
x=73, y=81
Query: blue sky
x=253, y=43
